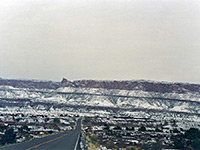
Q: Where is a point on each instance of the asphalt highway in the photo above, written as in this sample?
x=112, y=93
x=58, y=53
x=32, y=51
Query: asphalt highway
x=68, y=140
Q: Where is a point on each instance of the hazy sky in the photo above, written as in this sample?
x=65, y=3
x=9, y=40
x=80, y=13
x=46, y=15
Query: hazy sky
x=100, y=39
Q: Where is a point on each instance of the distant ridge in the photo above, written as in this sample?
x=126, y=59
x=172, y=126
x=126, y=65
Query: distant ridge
x=30, y=84
x=150, y=86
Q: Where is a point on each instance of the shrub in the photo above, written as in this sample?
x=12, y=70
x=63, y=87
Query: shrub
x=93, y=139
x=110, y=144
x=142, y=129
x=56, y=120
x=9, y=136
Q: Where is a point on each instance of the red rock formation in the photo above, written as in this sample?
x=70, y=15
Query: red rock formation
x=134, y=85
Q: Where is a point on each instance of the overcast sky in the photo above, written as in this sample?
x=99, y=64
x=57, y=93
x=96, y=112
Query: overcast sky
x=100, y=39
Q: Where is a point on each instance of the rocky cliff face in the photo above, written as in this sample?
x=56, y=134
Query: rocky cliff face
x=148, y=86
x=29, y=84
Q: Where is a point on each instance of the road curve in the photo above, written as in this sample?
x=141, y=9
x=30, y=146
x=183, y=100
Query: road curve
x=68, y=140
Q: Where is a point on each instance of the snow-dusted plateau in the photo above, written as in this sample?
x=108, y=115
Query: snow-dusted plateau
x=145, y=99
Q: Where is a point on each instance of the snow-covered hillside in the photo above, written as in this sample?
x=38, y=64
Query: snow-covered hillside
x=138, y=99
x=185, y=102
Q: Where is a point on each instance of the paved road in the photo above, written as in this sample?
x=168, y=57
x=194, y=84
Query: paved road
x=62, y=141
